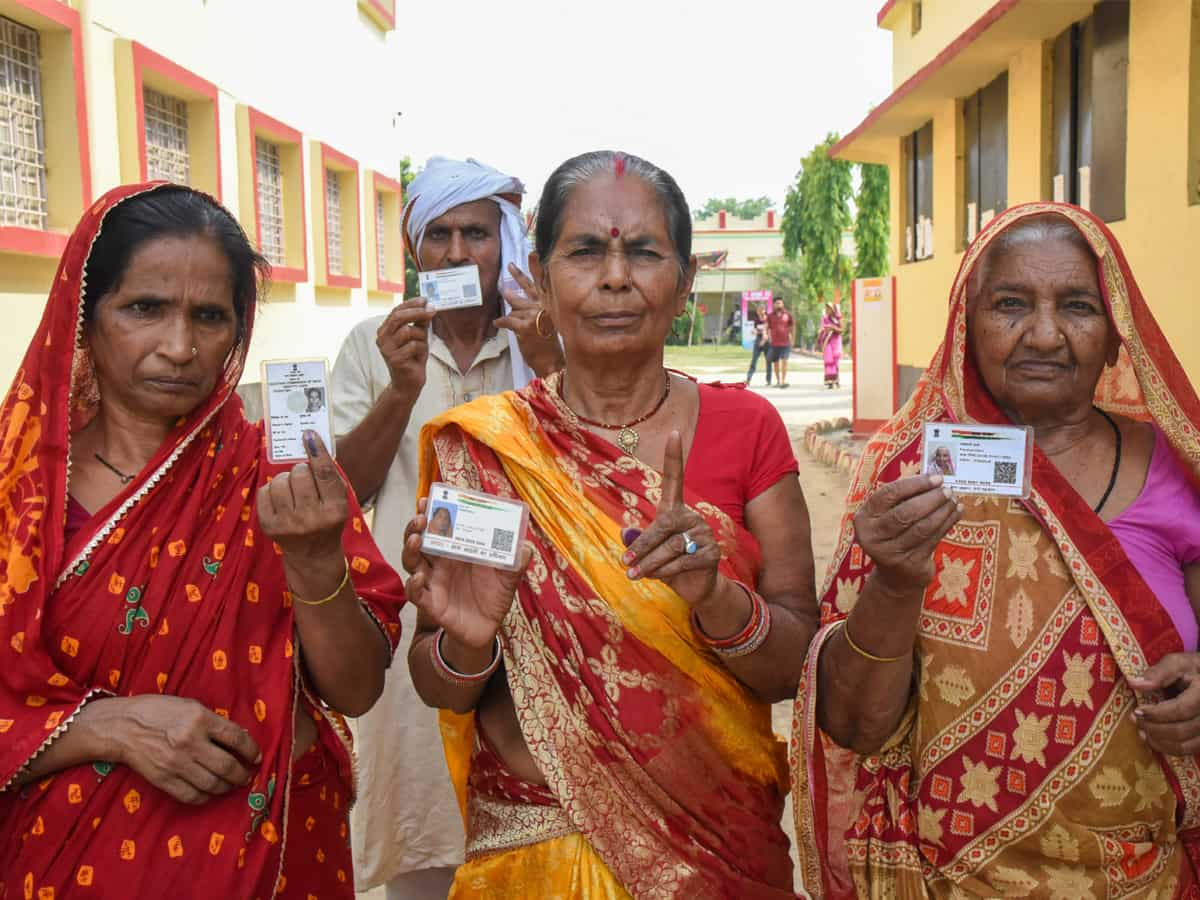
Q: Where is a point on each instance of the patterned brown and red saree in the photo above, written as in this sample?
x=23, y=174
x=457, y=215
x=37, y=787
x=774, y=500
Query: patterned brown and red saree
x=1020, y=773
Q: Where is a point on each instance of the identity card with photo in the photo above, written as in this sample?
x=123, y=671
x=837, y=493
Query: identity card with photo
x=295, y=400
x=995, y=460
x=474, y=527
x=455, y=288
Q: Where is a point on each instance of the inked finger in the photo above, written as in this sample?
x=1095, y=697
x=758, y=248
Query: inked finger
x=672, y=472
x=324, y=469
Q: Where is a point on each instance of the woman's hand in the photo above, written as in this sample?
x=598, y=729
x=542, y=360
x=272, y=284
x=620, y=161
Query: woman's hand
x=469, y=601
x=899, y=526
x=178, y=745
x=304, y=511
x=1171, y=726
x=541, y=349
x=661, y=550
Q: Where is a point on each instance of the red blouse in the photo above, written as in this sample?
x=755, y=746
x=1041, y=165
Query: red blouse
x=740, y=449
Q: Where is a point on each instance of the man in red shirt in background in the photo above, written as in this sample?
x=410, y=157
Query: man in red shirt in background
x=781, y=326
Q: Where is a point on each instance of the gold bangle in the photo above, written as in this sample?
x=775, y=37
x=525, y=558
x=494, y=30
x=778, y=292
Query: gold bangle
x=333, y=596
x=863, y=653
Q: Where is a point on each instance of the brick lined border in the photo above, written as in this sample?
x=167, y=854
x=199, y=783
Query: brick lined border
x=824, y=450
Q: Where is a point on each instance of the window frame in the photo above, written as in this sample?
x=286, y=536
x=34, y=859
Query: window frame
x=326, y=159
x=917, y=192
x=139, y=67
x=393, y=243
x=254, y=125
x=975, y=148
x=67, y=153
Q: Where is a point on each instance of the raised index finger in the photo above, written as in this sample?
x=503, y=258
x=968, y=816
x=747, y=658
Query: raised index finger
x=324, y=472
x=672, y=472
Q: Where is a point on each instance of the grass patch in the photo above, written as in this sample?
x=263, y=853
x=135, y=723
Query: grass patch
x=708, y=356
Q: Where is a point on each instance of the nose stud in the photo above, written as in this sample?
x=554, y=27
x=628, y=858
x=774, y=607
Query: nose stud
x=195, y=351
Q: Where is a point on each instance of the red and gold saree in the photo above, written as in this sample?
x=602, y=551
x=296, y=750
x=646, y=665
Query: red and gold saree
x=664, y=776
x=170, y=588
x=1020, y=772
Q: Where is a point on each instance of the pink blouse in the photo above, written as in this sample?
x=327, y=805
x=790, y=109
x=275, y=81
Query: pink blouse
x=1160, y=533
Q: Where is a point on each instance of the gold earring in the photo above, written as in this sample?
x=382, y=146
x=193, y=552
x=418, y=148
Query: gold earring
x=537, y=325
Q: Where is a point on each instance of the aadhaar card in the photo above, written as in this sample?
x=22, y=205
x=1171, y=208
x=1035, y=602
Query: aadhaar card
x=994, y=460
x=474, y=527
x=455, y=288
x=295, y=400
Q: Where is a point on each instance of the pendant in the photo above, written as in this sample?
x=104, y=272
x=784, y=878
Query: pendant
x=627, y=440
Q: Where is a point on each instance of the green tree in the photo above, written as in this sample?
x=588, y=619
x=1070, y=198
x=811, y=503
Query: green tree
x=739, y=209
x=785, y=277
x=871, y=222
x=815, y=215
x=411, y=287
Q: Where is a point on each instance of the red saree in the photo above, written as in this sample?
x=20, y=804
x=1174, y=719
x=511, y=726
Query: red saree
x=664, y=776
x=170, y=588
x=1019, y=771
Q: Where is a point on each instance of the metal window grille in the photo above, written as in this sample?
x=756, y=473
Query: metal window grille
x=270, y=201
x=333, y=220
x=166, y=119
x=22, y=138
x=380, y=236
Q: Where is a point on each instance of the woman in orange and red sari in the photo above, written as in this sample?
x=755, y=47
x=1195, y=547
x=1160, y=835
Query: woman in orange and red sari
x=1004, y=698
x=618, y=740
x=177, y=615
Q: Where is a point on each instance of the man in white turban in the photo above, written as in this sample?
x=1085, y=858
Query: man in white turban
x=393, y=374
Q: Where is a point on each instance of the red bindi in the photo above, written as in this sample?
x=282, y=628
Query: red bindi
x=619, y=164
x=615, y=232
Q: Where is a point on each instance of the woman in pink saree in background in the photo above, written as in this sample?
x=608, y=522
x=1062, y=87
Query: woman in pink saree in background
x=829, y=339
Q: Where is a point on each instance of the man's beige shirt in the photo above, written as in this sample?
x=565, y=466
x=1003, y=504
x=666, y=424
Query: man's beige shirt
x=407, y=816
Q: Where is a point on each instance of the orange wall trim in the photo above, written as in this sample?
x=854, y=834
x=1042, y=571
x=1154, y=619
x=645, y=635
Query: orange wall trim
x=273, y=129
x=387, y=185
x=144, y=58
x=52, y=15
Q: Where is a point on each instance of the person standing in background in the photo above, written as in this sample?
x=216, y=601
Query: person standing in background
x=761, y=346
x=829, y=340
x=781, y=328
x=395, y=373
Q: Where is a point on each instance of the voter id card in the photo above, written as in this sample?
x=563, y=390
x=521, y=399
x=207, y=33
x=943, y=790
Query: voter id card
x=995, y=460
x=451, y=288
x=474, y=527
x=295, y=400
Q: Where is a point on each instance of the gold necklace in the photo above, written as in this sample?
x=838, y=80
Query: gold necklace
x=627, y=437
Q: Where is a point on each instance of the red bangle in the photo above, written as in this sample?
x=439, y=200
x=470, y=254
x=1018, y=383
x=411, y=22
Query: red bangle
x=749, y=638
x=449, y=673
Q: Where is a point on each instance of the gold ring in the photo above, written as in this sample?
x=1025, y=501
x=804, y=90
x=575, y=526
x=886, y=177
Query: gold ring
x=537, y=326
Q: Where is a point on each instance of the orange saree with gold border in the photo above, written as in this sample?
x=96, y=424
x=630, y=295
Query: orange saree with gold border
x=1019, y=771
x=664, y=778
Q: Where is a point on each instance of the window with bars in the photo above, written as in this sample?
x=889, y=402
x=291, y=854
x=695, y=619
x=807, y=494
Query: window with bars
x=333, y=220
x=380, y=236
x=22, y=134
x=985, y=157
x=269, y=187
x=166, y=119
x=918, y=193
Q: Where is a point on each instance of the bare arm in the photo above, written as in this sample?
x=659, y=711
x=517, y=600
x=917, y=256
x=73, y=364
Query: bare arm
x=305, y=512
x=366, y=453
x=176, y=744
x=778, y=518
x=469, y=602
x=860, y=700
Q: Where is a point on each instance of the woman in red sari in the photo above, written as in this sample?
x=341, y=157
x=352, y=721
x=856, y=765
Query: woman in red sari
x=625, y=748
x=171, y=659
x=1004, y=698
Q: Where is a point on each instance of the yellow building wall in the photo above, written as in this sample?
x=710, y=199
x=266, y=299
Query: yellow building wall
x=1161, y=231
x=942, y=22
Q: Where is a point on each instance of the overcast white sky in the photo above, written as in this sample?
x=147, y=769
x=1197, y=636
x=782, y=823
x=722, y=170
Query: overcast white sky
x=727, y=95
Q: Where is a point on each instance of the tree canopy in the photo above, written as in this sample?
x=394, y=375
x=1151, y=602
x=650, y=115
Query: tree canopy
x=739, y=209
x=412, y=287
x=815, y=215
x=871, y=222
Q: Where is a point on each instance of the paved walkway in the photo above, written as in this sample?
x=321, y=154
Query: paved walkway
x=807, y=400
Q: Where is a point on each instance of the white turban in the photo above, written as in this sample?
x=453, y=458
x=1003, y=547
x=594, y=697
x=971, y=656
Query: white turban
x=446, y=183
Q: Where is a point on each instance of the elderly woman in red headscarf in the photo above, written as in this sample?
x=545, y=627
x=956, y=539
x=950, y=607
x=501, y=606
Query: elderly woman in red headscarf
x=179, y=618
x=1004, y=699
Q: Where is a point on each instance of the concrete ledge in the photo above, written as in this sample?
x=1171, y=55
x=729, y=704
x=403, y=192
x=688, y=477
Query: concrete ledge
x=828, y=441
